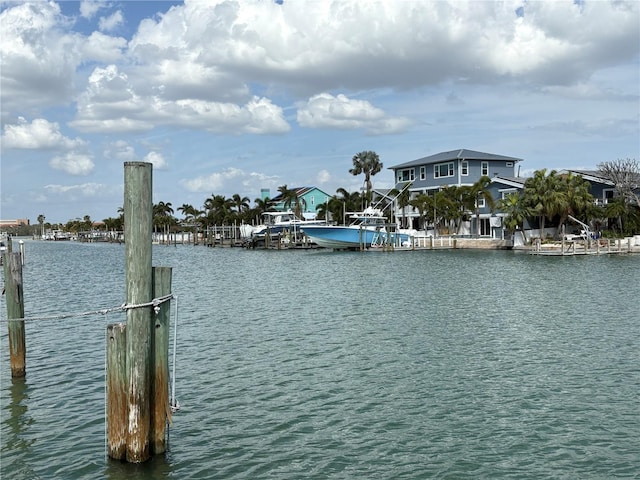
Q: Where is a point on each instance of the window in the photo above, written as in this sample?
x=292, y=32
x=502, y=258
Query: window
x=443, y=170
x=313, y=201
x=484, y=168
x=406, y=175
x=507, y=192
x=464, y=168
x=423, y=173
x=481, y=203
x=509, y=164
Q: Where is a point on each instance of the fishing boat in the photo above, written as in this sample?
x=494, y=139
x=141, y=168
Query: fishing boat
x=369, y=228
x=275, y=223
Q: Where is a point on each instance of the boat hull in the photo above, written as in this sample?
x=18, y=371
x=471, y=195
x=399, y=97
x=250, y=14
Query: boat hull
x=349, y=237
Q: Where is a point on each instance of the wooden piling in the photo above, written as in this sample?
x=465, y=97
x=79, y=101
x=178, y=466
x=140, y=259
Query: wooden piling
x=160, y=408
x=138, y=221
x=15, y=310
x=117, y=405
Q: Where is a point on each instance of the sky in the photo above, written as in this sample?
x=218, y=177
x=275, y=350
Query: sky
x=227, y=97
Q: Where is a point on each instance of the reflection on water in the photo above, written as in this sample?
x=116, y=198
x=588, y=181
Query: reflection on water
x=18, y=422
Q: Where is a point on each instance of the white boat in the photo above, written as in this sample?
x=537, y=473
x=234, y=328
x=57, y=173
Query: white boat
x=276, y=223
x=369, y=228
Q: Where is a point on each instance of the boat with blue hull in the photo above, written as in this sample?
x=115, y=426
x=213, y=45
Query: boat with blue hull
x=369, y=228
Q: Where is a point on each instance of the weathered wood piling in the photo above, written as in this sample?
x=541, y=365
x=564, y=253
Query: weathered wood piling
x=160, y=411
x=15, y=310
x=137, y=352
x=116, y=391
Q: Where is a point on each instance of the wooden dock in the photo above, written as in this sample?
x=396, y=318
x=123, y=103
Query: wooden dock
x=603, y=246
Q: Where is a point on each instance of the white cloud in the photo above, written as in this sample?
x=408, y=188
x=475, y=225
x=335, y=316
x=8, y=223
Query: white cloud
x=120, y=150
x=103, y=48
x=323, y=177
x=212, y=182
x=158, y=161
x=110, y=23
x=73, y=163
x=111, y=104
x=38, y=58
x=40, y=134
x=88, y=8
x=328, y=111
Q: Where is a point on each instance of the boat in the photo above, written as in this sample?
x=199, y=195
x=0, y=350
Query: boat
x=276, y=223
x=368, y=229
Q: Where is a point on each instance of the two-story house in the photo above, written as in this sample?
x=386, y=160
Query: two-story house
x=457, y=167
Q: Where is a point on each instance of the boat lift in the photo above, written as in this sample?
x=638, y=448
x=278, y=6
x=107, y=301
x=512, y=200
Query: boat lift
x=587, y=231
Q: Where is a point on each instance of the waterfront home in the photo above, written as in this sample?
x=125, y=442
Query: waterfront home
x=309, y=198
x=460, y=167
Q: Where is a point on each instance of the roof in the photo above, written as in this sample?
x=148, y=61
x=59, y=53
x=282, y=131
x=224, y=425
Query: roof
x=461, y=154
x=300, y=191
x=590, y=175
x=517, y=182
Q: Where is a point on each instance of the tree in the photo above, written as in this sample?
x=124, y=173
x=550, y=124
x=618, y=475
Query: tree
x=369, y=163
x=240, y=203
x=403, y=200
x=163, y=217
x=575, y=200
x=625, y=175
x=425, y=204
x=218, y=210
x=544, y=195
x=515, y=211
x=41, y=219
x=480, y=191
x=290, y=199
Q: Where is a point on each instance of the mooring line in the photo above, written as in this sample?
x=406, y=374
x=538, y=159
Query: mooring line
x=155, y=303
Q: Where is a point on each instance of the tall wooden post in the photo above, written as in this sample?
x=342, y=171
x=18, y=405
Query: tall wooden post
x=117, y=411
x=160, y=408
x=138, y=220
x=15, y=309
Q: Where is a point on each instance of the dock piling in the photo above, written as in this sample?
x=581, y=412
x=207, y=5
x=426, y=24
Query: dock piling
x=15, y=310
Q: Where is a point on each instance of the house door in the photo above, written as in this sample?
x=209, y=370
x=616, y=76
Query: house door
x=485, y=227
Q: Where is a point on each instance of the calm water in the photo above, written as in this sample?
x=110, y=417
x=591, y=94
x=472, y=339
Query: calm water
x=342, y=365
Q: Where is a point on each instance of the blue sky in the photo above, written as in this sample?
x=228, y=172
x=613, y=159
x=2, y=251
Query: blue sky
x=229, y=97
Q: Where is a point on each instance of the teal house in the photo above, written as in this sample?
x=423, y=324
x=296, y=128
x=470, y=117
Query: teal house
x=309, y=199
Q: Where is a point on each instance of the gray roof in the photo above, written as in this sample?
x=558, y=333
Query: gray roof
x=462, y=153
x=510, y=181
x=591, y=175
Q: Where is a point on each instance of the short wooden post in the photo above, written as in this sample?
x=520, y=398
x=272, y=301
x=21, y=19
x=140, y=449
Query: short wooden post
x=138, y=221
x=160, y=408
x=15, y=310
x=117, y=405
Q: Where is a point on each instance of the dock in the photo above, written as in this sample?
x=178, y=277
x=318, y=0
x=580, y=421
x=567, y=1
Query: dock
x=602, y=246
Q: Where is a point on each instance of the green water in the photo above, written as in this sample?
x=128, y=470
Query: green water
x=313, y=364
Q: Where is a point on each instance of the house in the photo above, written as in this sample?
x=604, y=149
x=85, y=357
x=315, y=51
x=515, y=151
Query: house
x=309, y=197
x=458, y=168
x=600, y=187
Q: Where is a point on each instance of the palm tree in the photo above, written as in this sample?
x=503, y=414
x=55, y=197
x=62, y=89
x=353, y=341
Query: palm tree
x=575, y=200
x=515, y=211
x=480, y=191
x=544, y=195
x=240, y=203
x=403, y=200
x=41, y=219
x=369, y=163
x=163, y=217
x=425, y=204
x=290, y=198
x=218, y=210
